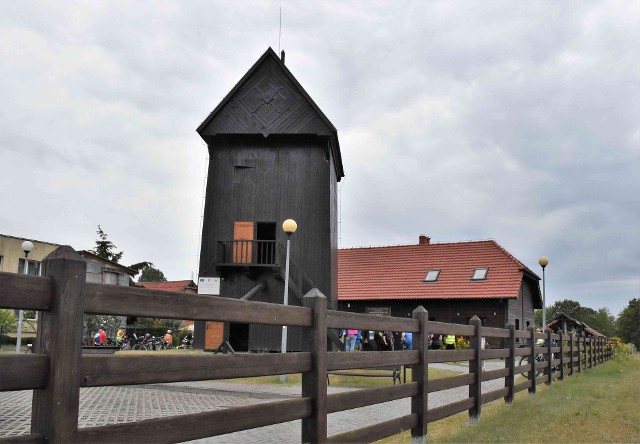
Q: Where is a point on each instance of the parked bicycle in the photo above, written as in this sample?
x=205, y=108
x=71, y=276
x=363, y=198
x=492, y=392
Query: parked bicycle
x=141, y=342
x=187, y=342
x=540, y=365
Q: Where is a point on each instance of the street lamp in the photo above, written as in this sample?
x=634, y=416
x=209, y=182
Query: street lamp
x=27, y=246
x=543, y=261
x=289, y=226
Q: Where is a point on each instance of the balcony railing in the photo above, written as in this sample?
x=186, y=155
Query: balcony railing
x=248, y=253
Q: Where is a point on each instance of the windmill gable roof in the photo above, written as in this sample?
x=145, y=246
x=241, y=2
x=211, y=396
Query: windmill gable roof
x=269, y=100
x=398, y=272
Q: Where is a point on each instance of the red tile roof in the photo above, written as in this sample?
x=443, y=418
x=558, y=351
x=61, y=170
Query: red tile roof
x=175, y=286
x=397, y=272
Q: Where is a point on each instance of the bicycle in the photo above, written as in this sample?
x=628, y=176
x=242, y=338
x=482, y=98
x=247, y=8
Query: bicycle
x=539, y=370
x=540, y=365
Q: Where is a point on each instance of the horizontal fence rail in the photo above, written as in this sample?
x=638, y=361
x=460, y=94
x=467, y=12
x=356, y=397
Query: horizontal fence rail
x=57, y=370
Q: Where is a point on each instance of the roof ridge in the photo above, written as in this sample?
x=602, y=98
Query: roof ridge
x=422, y=245
x=512, y=257
x=32, y=240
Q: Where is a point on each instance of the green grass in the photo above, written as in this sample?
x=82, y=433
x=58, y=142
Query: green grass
x=597, y=405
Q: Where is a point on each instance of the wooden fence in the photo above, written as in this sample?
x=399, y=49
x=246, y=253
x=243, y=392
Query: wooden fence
x=57, y=370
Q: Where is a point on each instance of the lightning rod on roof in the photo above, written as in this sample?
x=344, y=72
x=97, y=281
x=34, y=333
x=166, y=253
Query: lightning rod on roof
x=280, y=29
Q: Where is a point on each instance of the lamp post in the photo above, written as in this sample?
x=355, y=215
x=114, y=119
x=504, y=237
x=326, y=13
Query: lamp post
x=27, y=246
x=543, y=261
x=289, y=226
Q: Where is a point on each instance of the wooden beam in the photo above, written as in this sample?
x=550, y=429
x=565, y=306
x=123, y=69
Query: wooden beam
x=361, y=398
x=343, y=361
x=475, y=369
x=420, y=402
x=23, y=372
x=255, y=290
x=55, y=407
x=132, y=301
x=101, y=370
x=378, y=431
x=25, y=292
x=360, y=321
x=314, y=381
x=199, y=425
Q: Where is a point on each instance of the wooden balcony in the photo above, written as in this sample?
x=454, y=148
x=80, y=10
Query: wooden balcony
x=249, y=253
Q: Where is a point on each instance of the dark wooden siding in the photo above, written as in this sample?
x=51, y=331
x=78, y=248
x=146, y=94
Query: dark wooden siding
x=454, y=311
x=268, y=103
x=253, y=178
x=334, y=210
x=521, y=309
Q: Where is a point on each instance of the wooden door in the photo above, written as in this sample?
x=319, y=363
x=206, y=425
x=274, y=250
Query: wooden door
x=243, y=237
x=213, y=335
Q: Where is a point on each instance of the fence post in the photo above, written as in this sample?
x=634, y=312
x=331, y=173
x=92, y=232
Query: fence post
x=420, y=402
x=314, y=383
x=580, y=350
x=549, y=358
x=510, y=363
x=571, y=353
x=55, y=407
x=475, y=368
x=591, y=352
x=561, y=355
x=532, y=361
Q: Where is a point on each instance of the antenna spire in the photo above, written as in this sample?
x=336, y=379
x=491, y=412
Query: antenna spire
x=280, y=29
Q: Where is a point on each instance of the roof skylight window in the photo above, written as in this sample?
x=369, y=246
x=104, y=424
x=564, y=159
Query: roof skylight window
x=432, y=276
x=479, y=274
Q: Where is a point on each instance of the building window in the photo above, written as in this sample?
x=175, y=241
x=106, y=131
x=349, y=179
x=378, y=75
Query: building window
x=33, y=267
x=109, y=277
x=0, y=263
x=479, y=274
x=431, y=276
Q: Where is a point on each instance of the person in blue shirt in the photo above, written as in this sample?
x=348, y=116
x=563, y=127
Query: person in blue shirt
x=407, y=340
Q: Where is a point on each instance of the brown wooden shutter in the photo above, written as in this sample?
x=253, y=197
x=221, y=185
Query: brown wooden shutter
x=243, y=235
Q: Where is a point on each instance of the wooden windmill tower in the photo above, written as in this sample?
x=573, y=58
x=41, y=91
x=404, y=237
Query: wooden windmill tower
x=274, y=155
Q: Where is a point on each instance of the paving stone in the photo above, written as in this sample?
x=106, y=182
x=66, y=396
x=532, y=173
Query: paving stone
x=112, y=405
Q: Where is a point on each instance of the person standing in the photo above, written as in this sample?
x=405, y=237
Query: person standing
x=96, y=338
x=407, y=340
x=388, y=340
x=167, y=338
x=351, y=340
x=120, y=336
x=450, y=342
x=435, y=342
x=103, y=337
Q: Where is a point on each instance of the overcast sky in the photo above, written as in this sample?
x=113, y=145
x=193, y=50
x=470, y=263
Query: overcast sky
x=516, y=121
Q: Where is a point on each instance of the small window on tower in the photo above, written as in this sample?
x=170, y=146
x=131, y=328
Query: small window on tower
x=432, y=276
x=479, y=274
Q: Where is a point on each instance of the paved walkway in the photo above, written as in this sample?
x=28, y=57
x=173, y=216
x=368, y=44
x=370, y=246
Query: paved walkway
x=111, y=405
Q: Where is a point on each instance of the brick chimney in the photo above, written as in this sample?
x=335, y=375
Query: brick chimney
x=424, y=240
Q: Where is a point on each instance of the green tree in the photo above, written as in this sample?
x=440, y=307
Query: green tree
x=8, y=320
x=566, y=306
x=151, y=274
x=629, y=323
x=603, y=321
x=105, y=248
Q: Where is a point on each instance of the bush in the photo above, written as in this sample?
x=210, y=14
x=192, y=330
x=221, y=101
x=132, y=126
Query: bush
x=462, y=343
